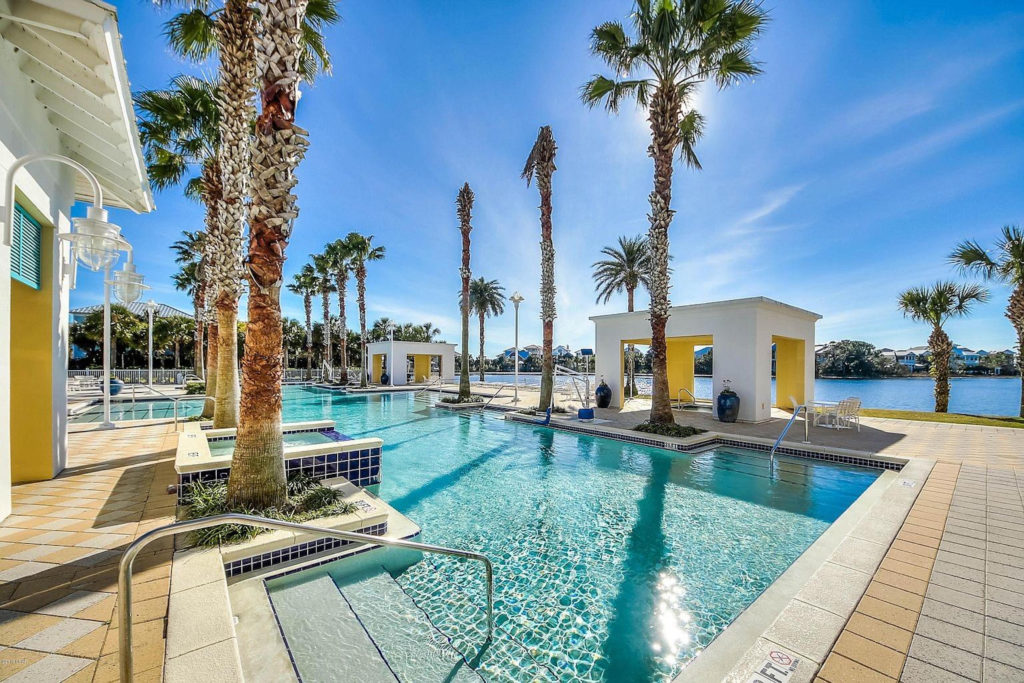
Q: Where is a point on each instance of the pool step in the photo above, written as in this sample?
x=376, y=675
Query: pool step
x=413, y=648
x=325, y=648
x=457, y=610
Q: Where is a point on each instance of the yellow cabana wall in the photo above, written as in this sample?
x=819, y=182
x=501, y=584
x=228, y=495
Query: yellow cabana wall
x=420, y=367
x=32, y=361
x=789, y=371
x=376, y=362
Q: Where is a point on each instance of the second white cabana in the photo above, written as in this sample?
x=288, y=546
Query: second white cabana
x=742, y=334
x=413, y=362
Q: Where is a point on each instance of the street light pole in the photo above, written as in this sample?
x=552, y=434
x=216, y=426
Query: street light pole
x=517, y=299
x=107, y=423
x=150, y=307
x=391, y=355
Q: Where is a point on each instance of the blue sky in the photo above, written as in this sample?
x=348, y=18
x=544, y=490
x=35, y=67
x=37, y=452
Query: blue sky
x=879, y=135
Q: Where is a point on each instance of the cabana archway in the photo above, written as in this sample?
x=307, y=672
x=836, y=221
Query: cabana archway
x=681, y=358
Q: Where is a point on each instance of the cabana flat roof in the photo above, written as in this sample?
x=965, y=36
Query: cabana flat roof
x=748, y=302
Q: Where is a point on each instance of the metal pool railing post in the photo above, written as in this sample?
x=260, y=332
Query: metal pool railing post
x=124, y=577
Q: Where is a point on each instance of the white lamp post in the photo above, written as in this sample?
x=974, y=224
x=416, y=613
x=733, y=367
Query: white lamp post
x=95, y=242
x=391, y=354
x=151, y=308
x=516, y=299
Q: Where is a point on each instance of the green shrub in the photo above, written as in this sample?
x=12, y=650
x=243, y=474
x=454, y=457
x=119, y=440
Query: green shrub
x=455, y=399
x=193, y=388
x=670, y=429
x=307, y=499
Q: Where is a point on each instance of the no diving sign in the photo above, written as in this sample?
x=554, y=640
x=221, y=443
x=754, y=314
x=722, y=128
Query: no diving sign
x=777, y=668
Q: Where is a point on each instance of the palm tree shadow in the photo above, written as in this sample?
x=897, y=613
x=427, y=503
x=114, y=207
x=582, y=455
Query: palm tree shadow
x=443, y=481
x=633, y=608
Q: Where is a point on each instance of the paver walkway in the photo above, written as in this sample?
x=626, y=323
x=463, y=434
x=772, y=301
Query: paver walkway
x=59, y=551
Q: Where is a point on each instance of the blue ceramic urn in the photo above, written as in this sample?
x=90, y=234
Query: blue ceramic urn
x=115, y=386
x=728, y=404
x=603, y=394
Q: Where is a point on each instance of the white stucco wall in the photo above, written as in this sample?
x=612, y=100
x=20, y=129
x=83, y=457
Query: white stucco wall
x=742, y=331
x=403, y=349
x=49, y=188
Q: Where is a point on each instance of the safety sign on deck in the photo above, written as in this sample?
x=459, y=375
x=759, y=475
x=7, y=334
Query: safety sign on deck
x=777, y=668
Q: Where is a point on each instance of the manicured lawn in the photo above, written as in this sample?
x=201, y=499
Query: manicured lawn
x=954, y=418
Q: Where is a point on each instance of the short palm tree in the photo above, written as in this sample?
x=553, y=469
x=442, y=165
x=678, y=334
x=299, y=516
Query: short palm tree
x=175, y=330
x=678, y=44
x=1005, y=266
x=625, y=269
x=338, y=256
x=325, y=285
x=541, y=165
x=305, y=283
x=486, y=298
x=935, y=305
x=464, y=210
x=362, y=251
x=189, y=278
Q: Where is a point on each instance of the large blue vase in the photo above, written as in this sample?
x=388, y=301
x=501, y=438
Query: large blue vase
x=603, y=394
x=728, y=405
x=115, y=386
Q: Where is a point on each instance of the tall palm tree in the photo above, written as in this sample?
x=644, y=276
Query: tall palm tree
x=935, y=305
x=486, y=297
x=189, y=278
x=362, y=251
x=541, y=164
x=338, y=255
x=678, y=44
x=293, y=337
x=174, y=330
x=464, y=210
x=305, y=284
x=1006, y=266
x=325, y=285
x=229, y=29
x=626, y=268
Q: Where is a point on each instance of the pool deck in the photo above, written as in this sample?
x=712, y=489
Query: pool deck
x=945, y=603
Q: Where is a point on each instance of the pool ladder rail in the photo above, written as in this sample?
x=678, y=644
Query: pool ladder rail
x=785, y=430
x=124, y=578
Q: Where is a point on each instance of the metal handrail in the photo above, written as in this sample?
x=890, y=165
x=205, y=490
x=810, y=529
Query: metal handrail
x=493, y=396
x=124, y=578
x=439, y=382
x=785, y=430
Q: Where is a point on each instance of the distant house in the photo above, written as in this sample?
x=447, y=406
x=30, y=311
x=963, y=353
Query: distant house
x=968, y=357
x=561, y=352
x=913, y=358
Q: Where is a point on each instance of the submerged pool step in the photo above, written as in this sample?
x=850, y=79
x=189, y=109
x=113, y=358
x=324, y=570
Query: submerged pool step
x=326, y=648
x=414, y=649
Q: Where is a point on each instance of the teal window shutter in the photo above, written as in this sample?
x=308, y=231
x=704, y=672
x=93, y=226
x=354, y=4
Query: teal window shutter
x=26, y=245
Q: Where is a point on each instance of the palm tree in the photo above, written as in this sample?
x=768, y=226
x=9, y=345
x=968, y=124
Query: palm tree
x=486, y=297
x=541, y=163
x=678, y=45
x=935, y=305
x=626, y=268
x=464, y=209
x=338, y=256
x=360, y=252
x=257, y=472
x=322, y=268
x=189, y=278
x=293, y=337
x=174, y=329
x=305, y=284
x=1006, y=266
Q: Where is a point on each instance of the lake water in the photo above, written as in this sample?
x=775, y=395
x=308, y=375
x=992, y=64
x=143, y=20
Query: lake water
x=975, y=395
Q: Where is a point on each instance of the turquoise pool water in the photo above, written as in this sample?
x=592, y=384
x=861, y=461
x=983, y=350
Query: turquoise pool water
x=225, y=447
x=157, y=409
x=613, y=561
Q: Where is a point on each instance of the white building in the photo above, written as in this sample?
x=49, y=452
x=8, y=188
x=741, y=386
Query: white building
x=413, y=362
x=63, y=90
x=742, y=333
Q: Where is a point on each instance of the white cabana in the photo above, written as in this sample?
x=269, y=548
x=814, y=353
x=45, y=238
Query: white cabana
x=412, y=363
x=742, y=333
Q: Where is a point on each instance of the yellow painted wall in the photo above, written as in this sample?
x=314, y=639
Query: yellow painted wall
x=789, y=371
x=31, y=372
x=420, y=367
x=680, y=366
x=376, y=360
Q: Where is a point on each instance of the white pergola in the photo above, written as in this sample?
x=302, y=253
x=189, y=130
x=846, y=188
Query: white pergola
x=411, y=362
x=742, y=332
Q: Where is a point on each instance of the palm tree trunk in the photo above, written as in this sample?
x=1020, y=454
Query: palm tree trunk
x=465, y=211
x=630, y=351
x=941, y=347
x=544, y=169
x=307, y=301
x=326, y=301
x=212, y=336
x=257, y=473
x=361, y=296
x=481, y=346
x=197, y=342
x=664, y=120
x=1015, y=312
x=225, y=410
x=342, y=285
x=177, y=355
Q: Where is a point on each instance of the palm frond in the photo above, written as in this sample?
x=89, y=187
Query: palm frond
x=192, y=35
x=691, y=128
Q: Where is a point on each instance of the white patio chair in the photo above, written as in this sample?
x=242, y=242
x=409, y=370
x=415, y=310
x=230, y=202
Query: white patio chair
x=848, y=413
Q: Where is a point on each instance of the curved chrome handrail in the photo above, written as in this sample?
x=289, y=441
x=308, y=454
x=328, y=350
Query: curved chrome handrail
x=124, y=578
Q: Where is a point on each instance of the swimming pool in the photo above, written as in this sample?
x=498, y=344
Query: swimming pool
x=155, y=409
x=613, y=561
